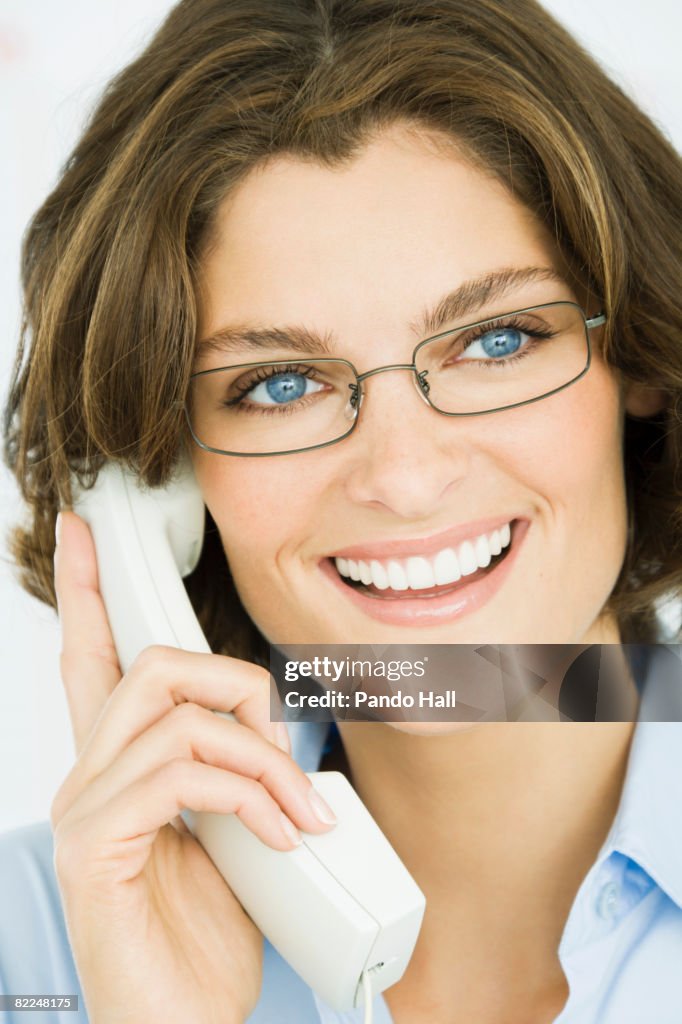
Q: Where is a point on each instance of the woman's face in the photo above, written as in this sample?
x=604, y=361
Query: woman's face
x=358, y=255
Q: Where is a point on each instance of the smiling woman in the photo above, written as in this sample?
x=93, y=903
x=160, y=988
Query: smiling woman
x=123, y=307
x=384, y=269
x=408, y=477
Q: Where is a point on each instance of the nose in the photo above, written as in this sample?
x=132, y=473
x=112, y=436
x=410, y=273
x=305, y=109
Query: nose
x=405, y=456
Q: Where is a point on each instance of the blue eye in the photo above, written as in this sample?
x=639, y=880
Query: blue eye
x=496, y=344
x=282, y=389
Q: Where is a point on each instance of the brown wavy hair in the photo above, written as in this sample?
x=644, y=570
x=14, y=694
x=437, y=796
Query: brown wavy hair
x=109, y=260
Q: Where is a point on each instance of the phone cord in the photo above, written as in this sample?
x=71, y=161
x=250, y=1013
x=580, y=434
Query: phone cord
x=367, y=997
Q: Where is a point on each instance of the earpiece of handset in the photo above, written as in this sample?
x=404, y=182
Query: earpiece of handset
x=342, y=903
x=146, y=540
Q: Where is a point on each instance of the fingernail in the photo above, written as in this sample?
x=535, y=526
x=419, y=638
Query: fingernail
x=57, y=528
x=290, y=831
x=321, y=808
x=282, y=737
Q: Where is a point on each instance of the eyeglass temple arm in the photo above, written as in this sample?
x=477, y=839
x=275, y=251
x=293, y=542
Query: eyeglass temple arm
x=595, y=321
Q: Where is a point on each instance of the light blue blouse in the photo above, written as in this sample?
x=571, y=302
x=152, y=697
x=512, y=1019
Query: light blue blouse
x=621, y=949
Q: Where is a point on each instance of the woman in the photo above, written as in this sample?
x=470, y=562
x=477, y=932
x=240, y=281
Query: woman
x=285, y=182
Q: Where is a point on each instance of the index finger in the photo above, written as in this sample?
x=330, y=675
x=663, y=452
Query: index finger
x=89, y=663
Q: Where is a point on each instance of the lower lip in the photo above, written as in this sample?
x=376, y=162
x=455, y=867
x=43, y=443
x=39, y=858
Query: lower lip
x=427, y=611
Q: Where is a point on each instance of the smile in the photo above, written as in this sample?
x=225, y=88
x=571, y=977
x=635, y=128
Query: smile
x=439, y=584
x=427, y=573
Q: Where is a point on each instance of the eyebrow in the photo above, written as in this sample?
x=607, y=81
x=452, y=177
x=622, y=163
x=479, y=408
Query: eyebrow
x=466, y=298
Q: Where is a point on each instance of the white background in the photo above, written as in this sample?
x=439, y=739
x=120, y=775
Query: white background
x=54, y=60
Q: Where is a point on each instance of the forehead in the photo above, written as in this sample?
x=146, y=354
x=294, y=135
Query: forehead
x=368, y=244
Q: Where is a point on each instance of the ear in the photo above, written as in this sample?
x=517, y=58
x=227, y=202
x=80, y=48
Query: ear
x=643, y=401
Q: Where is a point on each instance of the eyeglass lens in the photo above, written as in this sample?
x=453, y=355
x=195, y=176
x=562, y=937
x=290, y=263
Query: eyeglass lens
x=271, y=407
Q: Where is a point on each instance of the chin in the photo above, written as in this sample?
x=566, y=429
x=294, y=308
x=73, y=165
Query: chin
x=433, y=728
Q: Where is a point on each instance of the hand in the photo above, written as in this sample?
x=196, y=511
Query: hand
x=156, y=932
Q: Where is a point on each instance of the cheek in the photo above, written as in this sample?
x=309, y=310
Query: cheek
x=572, y=460
x=257, y=506
x=569, y=447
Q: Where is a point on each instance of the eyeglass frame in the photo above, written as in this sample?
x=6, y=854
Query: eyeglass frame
x=358, y=394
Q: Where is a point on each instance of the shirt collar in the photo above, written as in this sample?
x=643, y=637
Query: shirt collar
x=307, y=741
x=648, y=823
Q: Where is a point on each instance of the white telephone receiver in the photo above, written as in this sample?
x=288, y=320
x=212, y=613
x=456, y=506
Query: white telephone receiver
x=341, y=908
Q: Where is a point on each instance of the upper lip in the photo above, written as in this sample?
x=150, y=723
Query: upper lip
x=425, y=546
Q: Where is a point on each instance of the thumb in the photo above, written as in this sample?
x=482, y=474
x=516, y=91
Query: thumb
x=89, y=664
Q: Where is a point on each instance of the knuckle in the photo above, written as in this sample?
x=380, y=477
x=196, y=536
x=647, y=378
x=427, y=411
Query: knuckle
x=248, y=669
x=253, y=792
x=177, y=772
x=261, y=677
x=259, y=681
x=189, y=715
x=153, y=659
x=106, y=652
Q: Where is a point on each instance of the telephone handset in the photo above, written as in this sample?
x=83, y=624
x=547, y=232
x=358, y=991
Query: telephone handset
x=341, y=908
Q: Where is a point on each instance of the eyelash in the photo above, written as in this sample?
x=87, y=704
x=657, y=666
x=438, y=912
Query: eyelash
x=257, y=377
x=514, y=323
x=265, y=373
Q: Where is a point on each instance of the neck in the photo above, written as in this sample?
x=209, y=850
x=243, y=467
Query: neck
x=498, y=823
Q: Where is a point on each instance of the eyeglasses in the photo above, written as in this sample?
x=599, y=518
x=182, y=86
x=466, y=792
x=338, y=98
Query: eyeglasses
x=291, y=405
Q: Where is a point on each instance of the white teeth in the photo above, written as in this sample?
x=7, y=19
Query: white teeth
x=353, y=570
x=420, y=573
x=397, y=577
x=379, y=575
x=482, y=549
x=446, y=567
x=467, y=558
x=365, y=573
